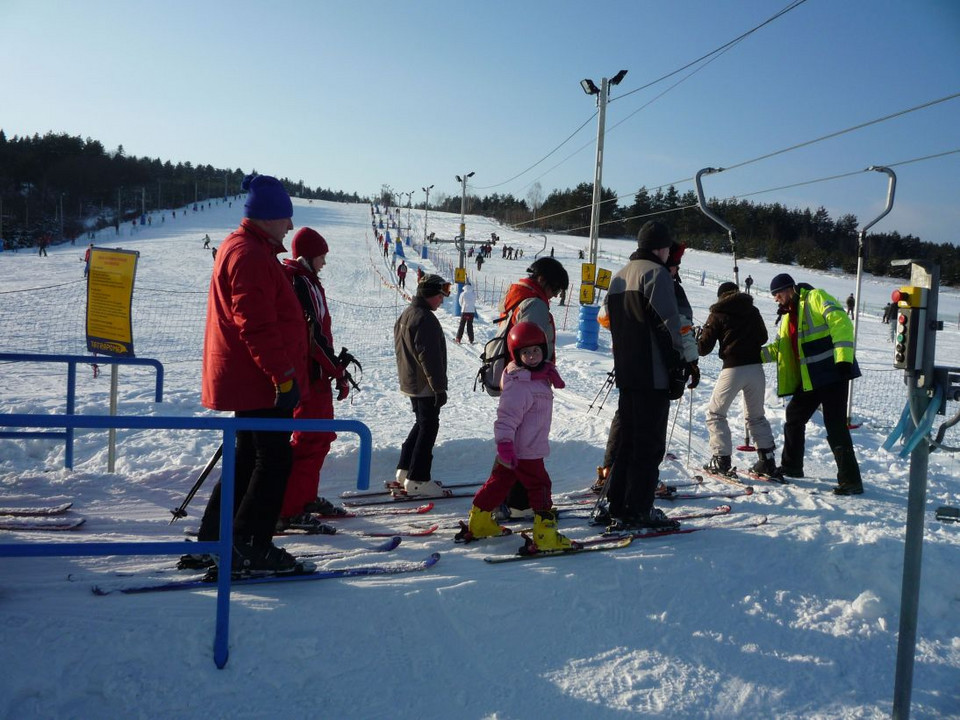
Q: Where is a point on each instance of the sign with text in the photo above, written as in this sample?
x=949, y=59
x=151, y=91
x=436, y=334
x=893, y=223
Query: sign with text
x=110, y=301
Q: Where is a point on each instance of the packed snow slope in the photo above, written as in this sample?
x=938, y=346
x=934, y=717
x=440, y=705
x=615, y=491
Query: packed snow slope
x=793, y=618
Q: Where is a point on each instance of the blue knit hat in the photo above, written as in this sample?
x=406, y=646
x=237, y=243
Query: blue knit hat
x=266, y=198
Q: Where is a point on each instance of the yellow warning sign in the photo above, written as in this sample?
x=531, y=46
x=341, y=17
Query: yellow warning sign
x=109, y=323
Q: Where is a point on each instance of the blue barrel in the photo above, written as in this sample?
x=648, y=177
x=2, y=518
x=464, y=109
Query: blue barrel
x=423, y=252
x=588, y=331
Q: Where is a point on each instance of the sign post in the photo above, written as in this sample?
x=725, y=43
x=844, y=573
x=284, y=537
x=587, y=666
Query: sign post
x=109, y=324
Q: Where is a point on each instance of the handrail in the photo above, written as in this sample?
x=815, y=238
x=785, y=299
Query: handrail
x=222, y=547
x=72, y=362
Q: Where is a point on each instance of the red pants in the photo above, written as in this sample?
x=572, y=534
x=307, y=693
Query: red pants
x=529, y=473
x=309, y=450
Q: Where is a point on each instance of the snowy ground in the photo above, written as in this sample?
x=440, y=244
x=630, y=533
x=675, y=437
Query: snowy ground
x=796, y=618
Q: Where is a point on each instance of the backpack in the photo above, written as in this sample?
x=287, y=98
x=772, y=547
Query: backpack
x=495, y=356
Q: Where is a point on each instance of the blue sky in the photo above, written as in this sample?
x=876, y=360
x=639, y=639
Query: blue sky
x=354, y=95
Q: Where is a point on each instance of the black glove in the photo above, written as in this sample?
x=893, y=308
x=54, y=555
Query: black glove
x=441, y=400
x=288, y=395
x=694, y=369
x=845, y=370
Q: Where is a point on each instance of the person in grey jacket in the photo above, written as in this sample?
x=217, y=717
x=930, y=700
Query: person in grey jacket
x=422, y=369
x=650, y=369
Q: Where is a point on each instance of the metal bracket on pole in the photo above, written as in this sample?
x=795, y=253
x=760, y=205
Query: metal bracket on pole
x=731, y=233
x=861, y=238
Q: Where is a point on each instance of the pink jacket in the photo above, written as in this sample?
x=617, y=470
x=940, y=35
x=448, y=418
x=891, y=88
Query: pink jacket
x=524, y=413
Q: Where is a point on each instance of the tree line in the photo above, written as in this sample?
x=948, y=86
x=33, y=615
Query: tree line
x=65, y=185
x=808, y=238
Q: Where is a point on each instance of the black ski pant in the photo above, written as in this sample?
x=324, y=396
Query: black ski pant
x=263, y=465
x=416, y=453
x=466, y=321
x=832, y=401
x=643, y=441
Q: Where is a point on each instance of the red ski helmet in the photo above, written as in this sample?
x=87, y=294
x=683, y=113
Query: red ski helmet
x=308, y=243
x=524, y=335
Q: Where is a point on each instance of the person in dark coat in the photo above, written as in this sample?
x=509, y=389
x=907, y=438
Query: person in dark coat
x=421, y=351
x=736, y=324
x=648, y=361
x=254, y=365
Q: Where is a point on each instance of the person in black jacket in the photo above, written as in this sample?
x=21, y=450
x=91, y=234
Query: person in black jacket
x=648, y=361
x=422, y=369
x=737, y=325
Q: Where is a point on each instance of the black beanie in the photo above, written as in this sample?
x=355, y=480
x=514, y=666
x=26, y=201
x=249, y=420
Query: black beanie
x=727, y=287
x=432, y=285
x=653, y=236
x=781, y=282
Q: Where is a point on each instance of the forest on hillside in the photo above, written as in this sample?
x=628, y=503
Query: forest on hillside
x=61, y=186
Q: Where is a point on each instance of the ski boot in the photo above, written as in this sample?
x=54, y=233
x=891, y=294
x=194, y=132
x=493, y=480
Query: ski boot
x=322, y=506
x=766, y=465
x=545, y=536
x=396, y=484
x=480, y=524
x=719, y=464
x=252, y=558
x=425, y=488
x=306, y=522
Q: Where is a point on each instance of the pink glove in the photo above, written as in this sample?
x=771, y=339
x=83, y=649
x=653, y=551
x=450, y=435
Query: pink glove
x=506, y=454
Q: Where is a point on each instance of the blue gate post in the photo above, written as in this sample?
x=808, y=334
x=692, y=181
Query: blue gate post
x=588, y=331
x=221, y=640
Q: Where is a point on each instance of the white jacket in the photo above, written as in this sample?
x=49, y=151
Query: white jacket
x=468, y=300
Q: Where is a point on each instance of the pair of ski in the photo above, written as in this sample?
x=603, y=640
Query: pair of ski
x=617, y=540
x=209, y=579
x=34, y=519
x=354, y=499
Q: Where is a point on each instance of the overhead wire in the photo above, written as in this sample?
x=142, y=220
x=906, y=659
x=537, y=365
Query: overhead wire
x=796, y=146
x=717, y=52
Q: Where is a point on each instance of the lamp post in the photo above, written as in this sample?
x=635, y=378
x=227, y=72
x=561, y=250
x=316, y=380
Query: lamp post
x=463, y=234
x=426, y=208
x=589, y=331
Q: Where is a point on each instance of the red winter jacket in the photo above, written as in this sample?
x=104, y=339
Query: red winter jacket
x=256, y=335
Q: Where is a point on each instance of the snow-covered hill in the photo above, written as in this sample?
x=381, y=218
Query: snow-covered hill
x=795, y=618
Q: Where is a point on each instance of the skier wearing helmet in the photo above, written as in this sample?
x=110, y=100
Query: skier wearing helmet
x=528, y=300
x=521, y=430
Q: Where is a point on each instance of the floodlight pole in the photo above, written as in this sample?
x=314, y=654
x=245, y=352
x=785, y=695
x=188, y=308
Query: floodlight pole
x=598, y=170
x=463, y=235
x=731, y=233
x=861, y=248
x=426, y=208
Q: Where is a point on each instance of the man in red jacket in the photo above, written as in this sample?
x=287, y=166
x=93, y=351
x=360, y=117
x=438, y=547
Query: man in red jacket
x=255, y=364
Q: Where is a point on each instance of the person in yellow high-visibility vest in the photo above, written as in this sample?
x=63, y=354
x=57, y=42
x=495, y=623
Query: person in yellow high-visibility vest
x=815, y=360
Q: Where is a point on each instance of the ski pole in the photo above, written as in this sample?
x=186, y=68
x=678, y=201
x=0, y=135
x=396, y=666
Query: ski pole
x=182, y=510
x=608, y=381
x=689, y=427
x=674, y=424
x=747, y=445
x=610, y=384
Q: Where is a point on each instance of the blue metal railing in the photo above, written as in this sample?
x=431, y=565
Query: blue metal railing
x=222, y=547
x=72, y=361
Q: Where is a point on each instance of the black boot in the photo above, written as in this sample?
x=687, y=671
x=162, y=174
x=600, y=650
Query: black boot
x=767, y=464
x=719, y=464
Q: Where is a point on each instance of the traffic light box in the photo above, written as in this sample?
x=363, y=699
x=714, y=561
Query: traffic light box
x=910, y=335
